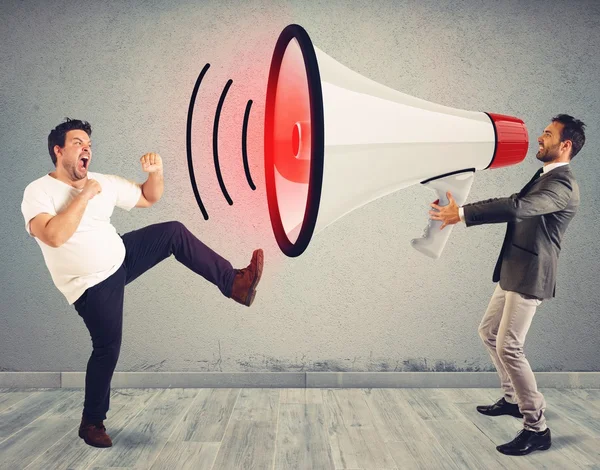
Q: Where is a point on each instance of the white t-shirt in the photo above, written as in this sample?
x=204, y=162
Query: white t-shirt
x=95, y=251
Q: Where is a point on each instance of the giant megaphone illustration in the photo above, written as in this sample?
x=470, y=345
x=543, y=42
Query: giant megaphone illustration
x=335, y=140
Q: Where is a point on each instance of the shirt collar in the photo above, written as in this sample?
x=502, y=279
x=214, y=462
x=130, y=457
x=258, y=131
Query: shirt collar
x=552, y=166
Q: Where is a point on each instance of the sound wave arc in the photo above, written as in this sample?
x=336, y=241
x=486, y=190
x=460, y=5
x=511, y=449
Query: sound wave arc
x=216, y=142
x=188, y=141
x=244, y=148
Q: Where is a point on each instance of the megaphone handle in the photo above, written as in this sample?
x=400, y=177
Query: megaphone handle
x=458, y=184
x=434, y=240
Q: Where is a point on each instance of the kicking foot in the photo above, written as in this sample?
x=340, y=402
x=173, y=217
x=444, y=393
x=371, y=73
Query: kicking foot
x=246, y=280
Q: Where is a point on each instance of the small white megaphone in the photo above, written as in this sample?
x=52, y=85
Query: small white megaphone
x=335, y=140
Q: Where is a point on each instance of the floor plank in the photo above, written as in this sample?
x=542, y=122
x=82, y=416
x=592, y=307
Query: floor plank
x=23, y=412
x=421, y=455
x=472, y=396
x=257, y=404
x=394, y=418
x=207, y=419
x=186, y=456
x=249, y=440
x=427, y=405
x=353, y=435
x=301, y=396
x=571, y=439
x=574, y=409
x=26, y=445
x=246, y=445
x=466, y=445
x=9, y=398
x=589, y=447
x=302, y=441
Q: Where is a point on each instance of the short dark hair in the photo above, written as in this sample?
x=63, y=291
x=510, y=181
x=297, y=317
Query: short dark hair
x=58, y=134
x=573, y=130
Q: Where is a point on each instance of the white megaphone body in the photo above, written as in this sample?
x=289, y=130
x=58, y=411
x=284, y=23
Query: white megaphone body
x=335, y=140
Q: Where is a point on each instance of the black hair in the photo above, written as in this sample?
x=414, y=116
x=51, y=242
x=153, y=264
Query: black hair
x=573, y=130
x=58, y=134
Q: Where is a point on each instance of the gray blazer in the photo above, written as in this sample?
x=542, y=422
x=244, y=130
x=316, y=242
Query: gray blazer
x=537, y=218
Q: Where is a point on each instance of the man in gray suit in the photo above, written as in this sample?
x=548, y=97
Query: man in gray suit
x=537, y=218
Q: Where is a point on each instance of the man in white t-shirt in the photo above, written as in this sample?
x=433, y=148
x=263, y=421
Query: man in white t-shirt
x=68, y=212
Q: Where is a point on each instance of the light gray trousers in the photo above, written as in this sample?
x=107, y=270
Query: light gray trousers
x=503, y=330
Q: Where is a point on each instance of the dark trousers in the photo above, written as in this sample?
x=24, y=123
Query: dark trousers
x=101, y=306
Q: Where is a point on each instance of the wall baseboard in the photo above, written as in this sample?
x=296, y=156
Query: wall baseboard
x=294, y=380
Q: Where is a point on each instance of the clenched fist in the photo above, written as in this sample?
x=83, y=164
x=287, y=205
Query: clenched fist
x=91, y=189
x=151, y=163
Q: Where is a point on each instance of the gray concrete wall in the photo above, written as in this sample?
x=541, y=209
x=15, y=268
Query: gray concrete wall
x=360, y=298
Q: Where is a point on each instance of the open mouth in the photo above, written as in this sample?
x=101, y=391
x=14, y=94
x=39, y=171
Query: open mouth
x=84, y=161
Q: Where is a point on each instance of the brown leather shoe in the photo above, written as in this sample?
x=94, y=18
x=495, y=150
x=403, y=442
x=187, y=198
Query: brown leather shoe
x=94, y=434
x=246, y=280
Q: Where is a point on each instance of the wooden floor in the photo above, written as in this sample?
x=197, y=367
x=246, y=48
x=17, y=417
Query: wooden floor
x=292, y=429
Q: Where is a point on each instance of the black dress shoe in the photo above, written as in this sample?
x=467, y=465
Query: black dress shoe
x=501, y=407
x=526, y=442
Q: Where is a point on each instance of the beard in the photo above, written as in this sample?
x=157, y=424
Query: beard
x=74, y=172
x=548, y=154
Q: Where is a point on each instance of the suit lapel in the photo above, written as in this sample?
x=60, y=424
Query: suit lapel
x=534, y=180
x=531, y=182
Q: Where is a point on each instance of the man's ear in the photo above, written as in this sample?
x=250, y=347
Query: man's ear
x=57, y=151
